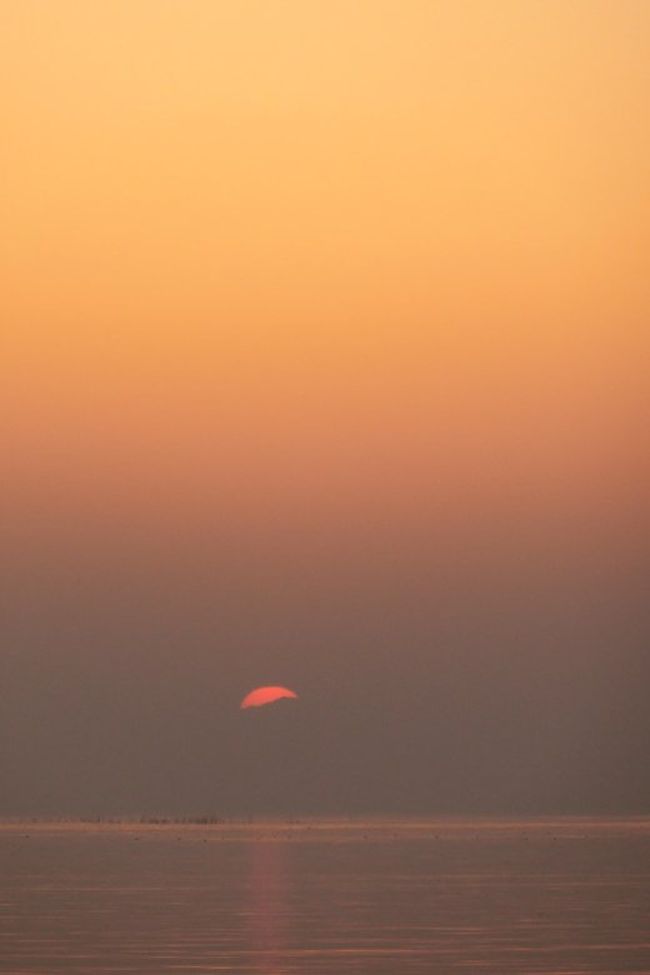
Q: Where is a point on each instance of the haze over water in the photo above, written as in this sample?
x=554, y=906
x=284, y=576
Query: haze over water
x=566, y=897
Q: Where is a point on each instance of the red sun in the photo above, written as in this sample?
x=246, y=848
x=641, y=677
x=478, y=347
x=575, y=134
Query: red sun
x=265, y=695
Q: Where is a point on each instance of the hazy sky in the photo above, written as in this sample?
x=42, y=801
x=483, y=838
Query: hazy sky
x=324, y=363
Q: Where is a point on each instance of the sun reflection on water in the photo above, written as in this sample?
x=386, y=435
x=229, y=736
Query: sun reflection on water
x=268, y=909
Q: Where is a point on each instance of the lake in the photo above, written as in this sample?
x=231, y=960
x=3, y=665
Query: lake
x=561, y=896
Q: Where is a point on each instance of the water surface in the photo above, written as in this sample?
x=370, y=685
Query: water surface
x=561, y=896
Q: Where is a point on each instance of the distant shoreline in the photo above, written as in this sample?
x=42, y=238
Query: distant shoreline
x=370, y=824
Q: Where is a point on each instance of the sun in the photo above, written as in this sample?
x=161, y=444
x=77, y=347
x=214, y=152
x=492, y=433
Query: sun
x=266, y=695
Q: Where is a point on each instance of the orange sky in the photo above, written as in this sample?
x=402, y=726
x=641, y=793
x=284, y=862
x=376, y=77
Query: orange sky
x=346, y=261
x=324, y=364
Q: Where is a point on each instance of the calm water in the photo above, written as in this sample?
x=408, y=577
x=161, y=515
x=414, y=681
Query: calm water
x=568, y=896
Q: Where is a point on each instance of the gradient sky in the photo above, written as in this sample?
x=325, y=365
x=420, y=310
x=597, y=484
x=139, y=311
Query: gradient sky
x=324, y=363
